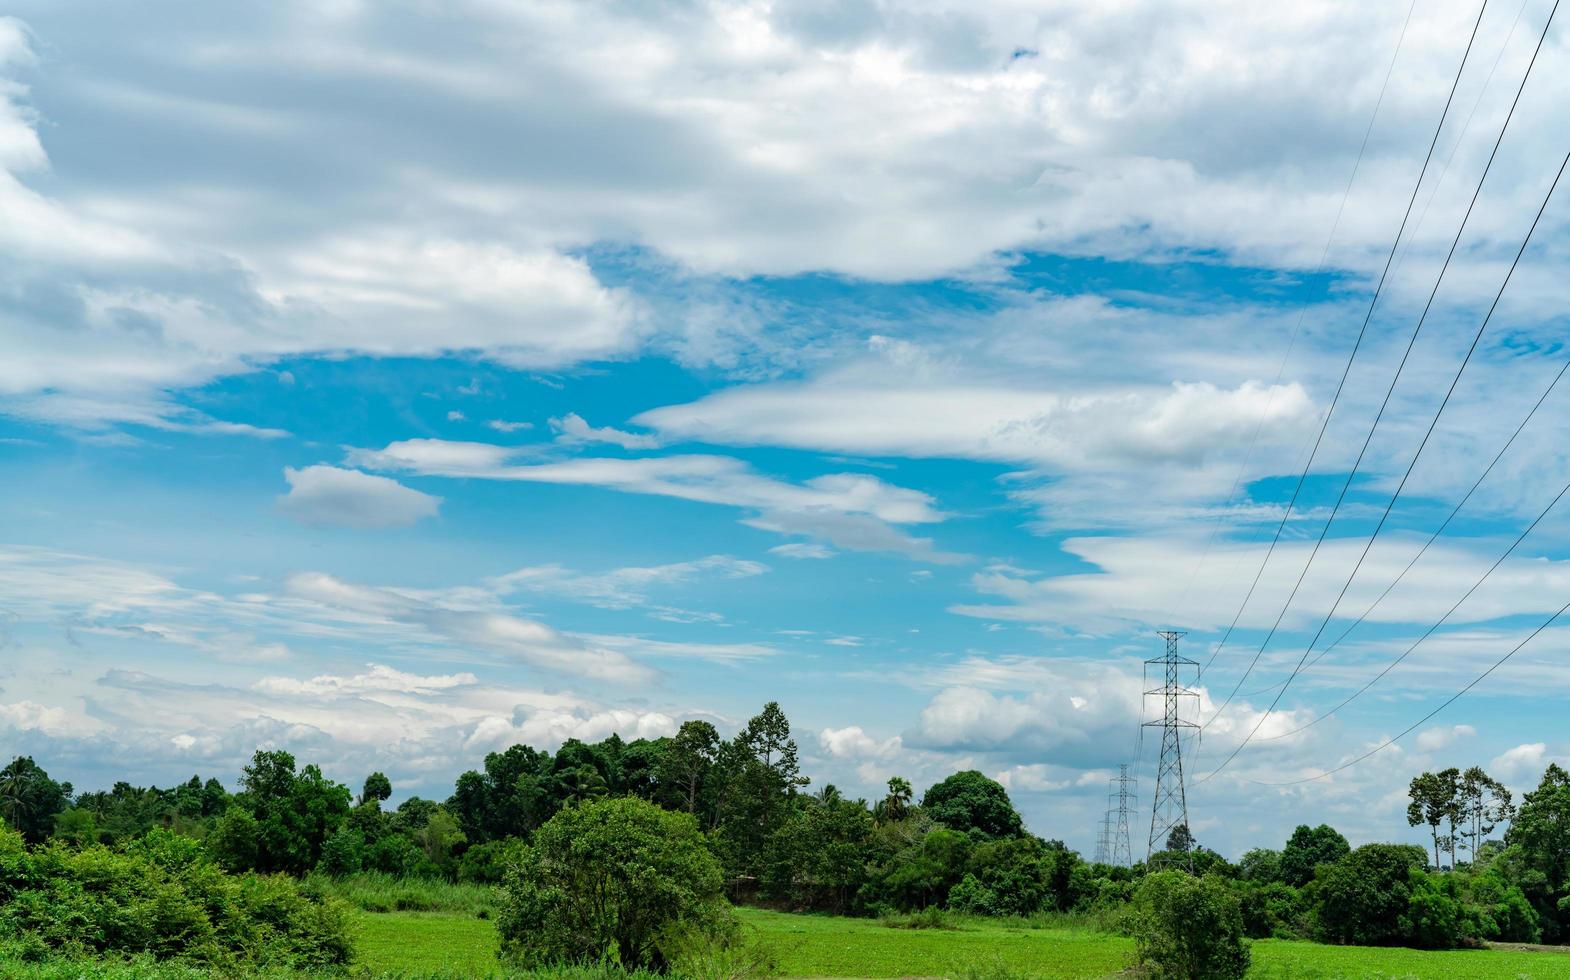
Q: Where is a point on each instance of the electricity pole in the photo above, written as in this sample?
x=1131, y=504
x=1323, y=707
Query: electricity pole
x=1169, y=809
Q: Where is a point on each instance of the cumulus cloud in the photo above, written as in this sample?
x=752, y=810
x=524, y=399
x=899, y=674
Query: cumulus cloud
x=329, y=495
x=1442, y=736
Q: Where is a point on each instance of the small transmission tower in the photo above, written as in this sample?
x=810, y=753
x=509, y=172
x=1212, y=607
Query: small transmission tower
x=1103, y=840
x=1169, y=809
x=1121, y=851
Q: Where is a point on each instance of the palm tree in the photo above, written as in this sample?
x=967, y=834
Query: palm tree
x=896, y=806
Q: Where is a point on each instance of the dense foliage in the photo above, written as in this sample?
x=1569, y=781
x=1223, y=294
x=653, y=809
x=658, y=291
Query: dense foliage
x=746, y=818
x=1188, y=928
x=619, y=880
x=162, y=897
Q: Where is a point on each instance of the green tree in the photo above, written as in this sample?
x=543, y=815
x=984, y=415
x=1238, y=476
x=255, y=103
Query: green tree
x=442, y=840
x=1538, y=851
x=30, y=800
x=760, y=777
x=377, y=788
x=819, y=858
x=1262, y=865
x=969, y=801
x=896, y=805
x=1181, y=840
x=343, y=853
x=618, y=877
x=295, y=812
x=1485, y=803
x=1307, y=849
x=1364, y=898
x=234, y=840
x=688, y=759
x=1435, y=799
x=1188, y=928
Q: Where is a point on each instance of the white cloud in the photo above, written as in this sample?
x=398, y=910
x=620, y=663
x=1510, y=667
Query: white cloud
x=851, y=510
x=855, y=744
x=470, y=624
x=1442, y=737
x=378, y=677
x=32, y=716
x=1521, y=767
x=1155, y=581
x=801, y=549
x=328, y=495
x=572, y=428
x=624, y=588
x=504, y=426
x=455, y=416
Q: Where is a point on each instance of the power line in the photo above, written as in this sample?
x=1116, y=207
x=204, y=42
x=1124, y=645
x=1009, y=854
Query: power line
x=1356, y=346
x=1456, y=510
x=1390, y=391
x=1442, y=620
x=1297, y=328
x=1426, y=718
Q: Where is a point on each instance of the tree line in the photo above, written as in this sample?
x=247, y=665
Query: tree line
x=961, y=846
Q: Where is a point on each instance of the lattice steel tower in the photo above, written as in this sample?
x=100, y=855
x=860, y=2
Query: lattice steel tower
x=1104, y=839
x=1169, y=808
x=1121, y=851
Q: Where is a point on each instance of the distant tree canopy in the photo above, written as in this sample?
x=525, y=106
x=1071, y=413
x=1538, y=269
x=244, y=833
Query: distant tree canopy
x=1307, y=849
x=969, y=801
x=30, y=800
x=744, y=802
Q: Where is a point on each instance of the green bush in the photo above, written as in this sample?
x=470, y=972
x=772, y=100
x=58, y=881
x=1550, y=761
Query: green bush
x=377, y=892
x=161, y=897
x=1364, y=898
x=486, y=864
x=1188, y=928
x=928, y=918
x=1274, y=910
x=617, y=879
x=1504, y=913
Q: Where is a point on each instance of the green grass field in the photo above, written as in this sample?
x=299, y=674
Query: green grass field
x=819, y=946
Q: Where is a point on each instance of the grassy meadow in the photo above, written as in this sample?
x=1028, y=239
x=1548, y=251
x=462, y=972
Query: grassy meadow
x=454, y=945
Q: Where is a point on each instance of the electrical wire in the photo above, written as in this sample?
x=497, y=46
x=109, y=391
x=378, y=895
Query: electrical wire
x=1357, y=345
x=1388, y=393
x=1426, y=718
x=1454, y=512
x=1297, y=328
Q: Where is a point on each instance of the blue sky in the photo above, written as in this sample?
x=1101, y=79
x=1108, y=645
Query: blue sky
x=394, y=384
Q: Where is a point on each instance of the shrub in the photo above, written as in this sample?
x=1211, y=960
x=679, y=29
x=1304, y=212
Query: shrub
x=1188, y=928
x=1437, y=917
x=928, y=918
x=343, y=853
x=1504, y=912
x=620, y=879
x=971, y=896
x=164, y=898
x=1273, y=910
x=1364, y=898
x=486, y=864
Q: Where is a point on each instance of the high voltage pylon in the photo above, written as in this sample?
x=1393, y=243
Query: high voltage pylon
x=1120, y=851
x=1103, y=840
x=1169, y=808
